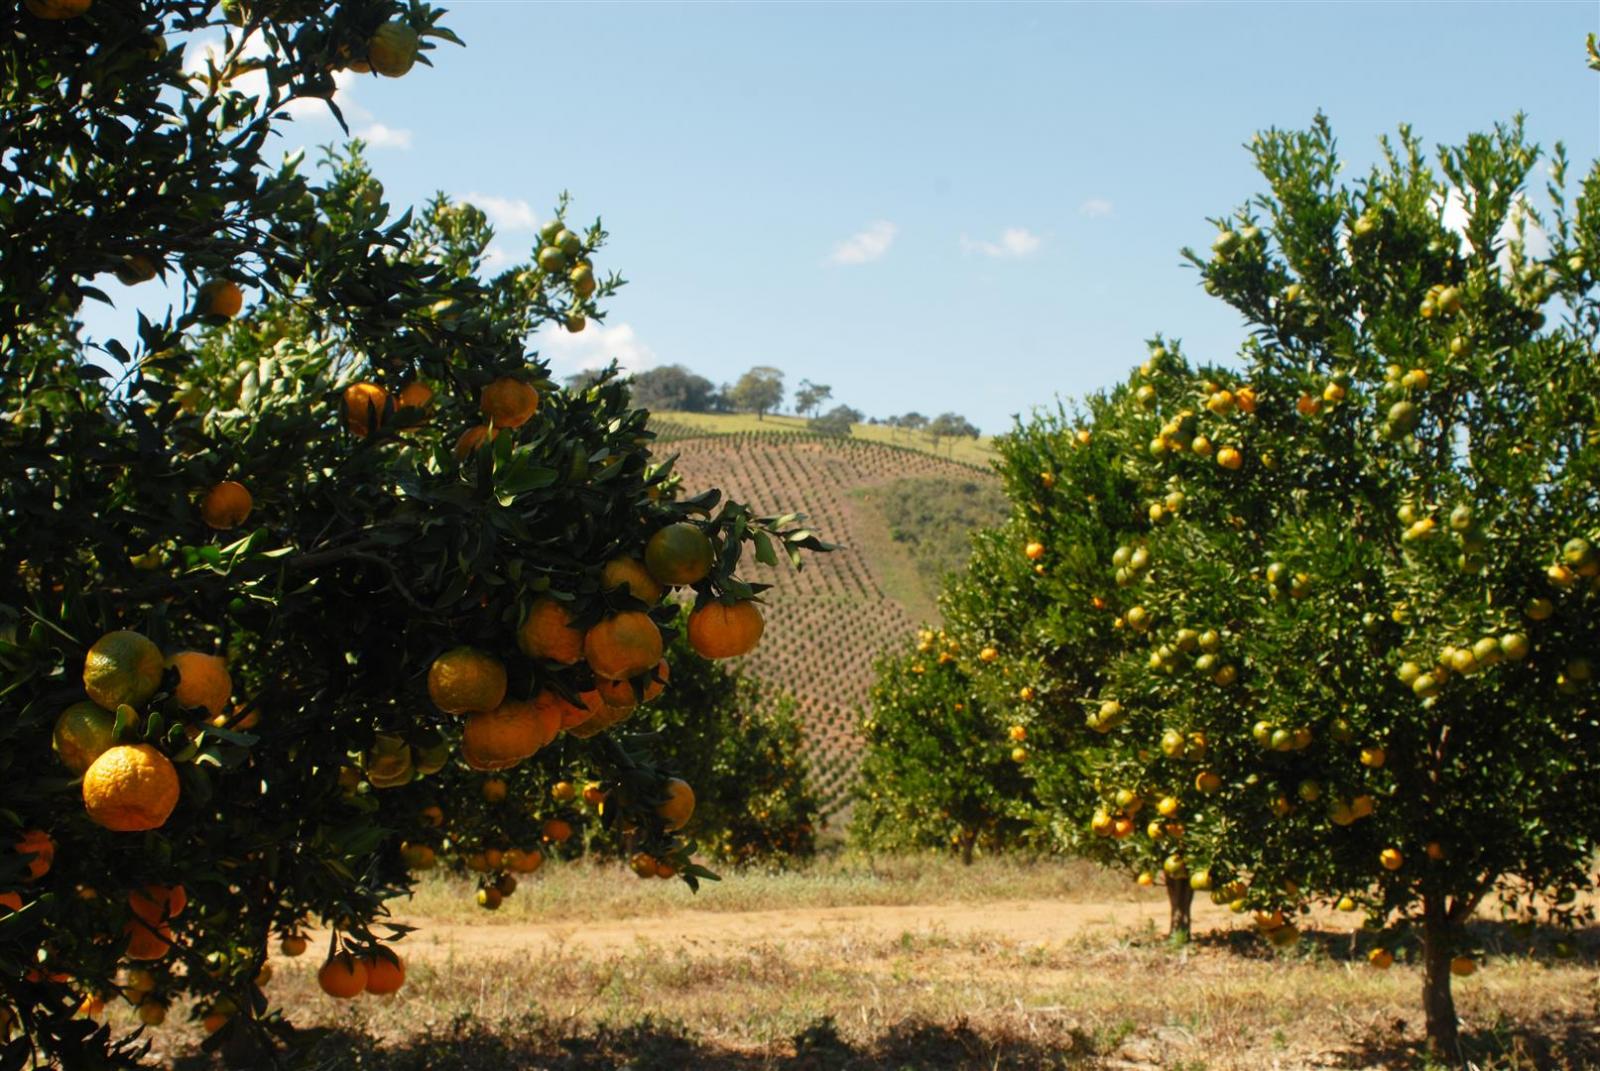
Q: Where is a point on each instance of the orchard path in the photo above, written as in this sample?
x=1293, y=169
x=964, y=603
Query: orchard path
x=1023, y=922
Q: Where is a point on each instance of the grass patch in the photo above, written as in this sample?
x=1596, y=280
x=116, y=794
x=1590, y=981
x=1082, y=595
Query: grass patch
x=674, y=425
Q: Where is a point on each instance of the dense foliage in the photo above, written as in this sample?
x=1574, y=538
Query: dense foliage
x=265, y=564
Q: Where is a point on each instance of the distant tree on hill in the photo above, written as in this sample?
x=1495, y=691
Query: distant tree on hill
x=836, y=421
x=674, y=387
x=810, y=396
x=758, y=391
x=912, y=422
x=582, y=381
x=950, y=426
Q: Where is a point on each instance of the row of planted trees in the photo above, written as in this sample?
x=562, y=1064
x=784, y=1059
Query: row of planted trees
x=1319, y=624
x=315, y=575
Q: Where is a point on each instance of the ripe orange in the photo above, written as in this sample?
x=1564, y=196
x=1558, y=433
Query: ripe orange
x=679, y=554
x=1462, y=966
x=471, y=439
x=56, y=9
x=1391, y=859
x=632, y=575
x=11, y=901
x=156, y=904
x=657, y=681
x=122, y=667
x=563, y=792
x=1230, y=458
x=665, y=869
x=500, y=738
x=603, y=718
x=146, y=941
x=1034, y=551
x=723, y=630
x=417, y=856
x=489, y=898
x=220, y=297
x=130, y=787
x=624, y=645
x=364, y=408
x=293, y=944
x=392, y=49
x=343, y=976
x=152, y=1012
x=547, y=632
x=554, y=709
x=679, y=804
x=617, y=695
x=386, y=972
x=38, y=844
x=203, y=681
x=558, y=830
x=82, y=732
x=524, y=860
x=494, y=790
x=508, y=402
x=465, y=679
x=226, y=505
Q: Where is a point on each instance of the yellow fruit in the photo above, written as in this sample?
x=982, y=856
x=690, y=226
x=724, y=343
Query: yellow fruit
x=1230, y=458
x=203, y=681
x=226, y=505
x=547, y=632
x=130, y=787
x=82, y=732
x=392, y=49
x=627, y=644
x=679, y=805
x=463, y=680
x=508, y=402
x=1033, y=551
x=679, y=554
x=122, y=667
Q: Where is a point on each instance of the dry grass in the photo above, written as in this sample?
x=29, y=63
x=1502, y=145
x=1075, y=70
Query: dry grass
x=979, y=451
x=852, y=998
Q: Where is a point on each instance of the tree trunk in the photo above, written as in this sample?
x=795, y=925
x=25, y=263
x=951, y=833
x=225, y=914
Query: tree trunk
x=1438, y=1004
x=1180, y=898
x=968, y=841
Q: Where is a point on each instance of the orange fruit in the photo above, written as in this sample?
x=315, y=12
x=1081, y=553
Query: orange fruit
x=679, y=554
x=465, y=679
x=558, y=830
x=415, y=395
x=152, y=1012
x=220, y=297
x=632, y=575
x=158, y=903
x=547, y=632
x=603, y=718
x=122, y=667
x=147, y=941
x=494, y=790
x=364, y=408
x=1034, y=551
x=524, y=860
x=56, y=9
x=617, y=695
x=665, y=869
x=563, y=792
x=622, y=646
x=555, y=710
x=676, y=810
x=214, y=1021
x=203, y=681
x=471, y=439
x=500, y=738
x=38, y=844
x=293, y=944
x=432, y=815
x=417, y=856
x=11, y=901
x=226, y=505
x=656, y=683
x=342, y=976
x=643, y=864
x=1463, y=966
x=130, y=787
x=82, y=732
x=724, y=630
x=386, y=972
x=508, y=402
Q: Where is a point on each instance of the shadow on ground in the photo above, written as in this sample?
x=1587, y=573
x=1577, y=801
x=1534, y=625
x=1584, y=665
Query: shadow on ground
x=650, y=1045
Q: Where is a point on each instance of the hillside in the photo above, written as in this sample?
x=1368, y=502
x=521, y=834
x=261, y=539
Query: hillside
x=899, y=517
x=669, y=426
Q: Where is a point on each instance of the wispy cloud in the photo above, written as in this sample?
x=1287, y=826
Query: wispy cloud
x=381, y=136
x=594, y=347
x=865, y=246
x=1096, y=208
x=506, y=213
x=1014, y=242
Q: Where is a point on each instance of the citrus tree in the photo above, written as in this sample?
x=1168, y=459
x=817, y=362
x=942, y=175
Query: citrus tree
x=1365, y=615
x=934, y=774
x=296, y=543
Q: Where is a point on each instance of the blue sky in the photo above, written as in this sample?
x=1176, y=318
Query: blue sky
x=931, y=207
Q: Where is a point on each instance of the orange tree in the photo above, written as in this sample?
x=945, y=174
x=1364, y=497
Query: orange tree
x=738, y=758
x=935, y=774
x=258, y=566
x=1371, y=586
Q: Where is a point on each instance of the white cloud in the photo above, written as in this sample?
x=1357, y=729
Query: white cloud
x=379, y=136
x=506, y=213
x=201, y=52
x=1014, y=242
x=497, y=257
x=865, y=246
x=1096, y=208
x=593, y=347
x=1453, y=214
